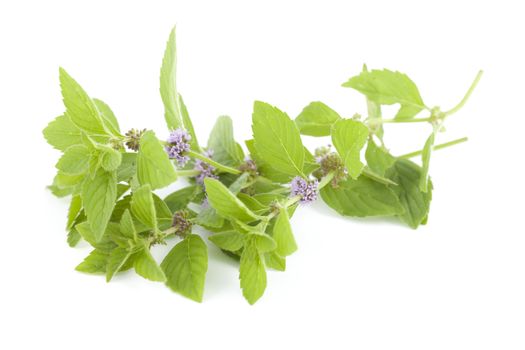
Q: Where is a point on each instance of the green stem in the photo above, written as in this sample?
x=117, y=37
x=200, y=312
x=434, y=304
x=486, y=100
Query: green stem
x=326, y=180
x=467, y=95
x=218, y=166
x=437, y=147
x=371, y=175
x=188, y=173
x=417, y=120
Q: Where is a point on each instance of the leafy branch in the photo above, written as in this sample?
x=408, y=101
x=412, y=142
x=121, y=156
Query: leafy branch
x=246, y=201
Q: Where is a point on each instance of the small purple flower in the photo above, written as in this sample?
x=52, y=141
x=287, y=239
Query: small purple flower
x=178, y=145
x=304, y=188
x=206, y=170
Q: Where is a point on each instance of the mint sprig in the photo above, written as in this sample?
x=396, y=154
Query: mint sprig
x=244, y=198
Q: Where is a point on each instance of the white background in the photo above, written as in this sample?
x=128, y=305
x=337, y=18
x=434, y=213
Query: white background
x=457, y=283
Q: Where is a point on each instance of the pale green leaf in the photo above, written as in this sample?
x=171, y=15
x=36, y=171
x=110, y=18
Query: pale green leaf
x=80, y=108
x=222, y=142
x=117, y=259
x=74, y=161
x=277, y=139
x=110, y=158
x=181, y=198
x=252, y=272
x=188, y=125
x=143, y=208
x=263, y=242
x=229, y=240
x=110, y=121
x=128, y=167
x=61, y=133
x=362, y=197
x=349, y=137
x=147, y=267
x=425, y=161
x=185, y=267
x=73, y=237
x=378, y=159
x=127, y=228
x=74, y=209
x=168, y=84
x=95, y=262
x=99, y=195
x=153, y=165
x=274, y=261
x=387, y=87
x=263, y=168
x=316, y=119
x=282, y=234
x=226, y=203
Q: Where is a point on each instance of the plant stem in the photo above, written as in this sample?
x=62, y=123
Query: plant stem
x=218, y=166
x=417, y=120
x=188, y=173
x=467, y=95
x=437, y=147
x=326, y=180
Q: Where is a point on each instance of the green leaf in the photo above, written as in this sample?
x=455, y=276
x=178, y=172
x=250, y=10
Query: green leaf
x=80, y=108
x=143, y=208
x=387, y=87
x=168, y=84
x=153, y=164
x=117, y=259
x=128, y=167
x=110, y=158
x=226, y=203
x=239, y=183
x=349, y=137
x=61, y=133
x=362, y=197
x=181, y=198
x=274, y=261
x=416, y=203
x=73, y=237
x=105, y=243
x=277, y=139
x=264, y=168
x=222, y=142
x=378, y=159
x=425, y=161
x=147, y=267
x=99, y=195
x=252, y=272
x=210, y=219
x=229, y=240
x=74, y=161
x=316, y=119
x=282, y=234
x=110, y=121
x=74, y=209
x=185, y=267
x=188, y=125
x=127, y=228
x=95, y=262
x=263, y=242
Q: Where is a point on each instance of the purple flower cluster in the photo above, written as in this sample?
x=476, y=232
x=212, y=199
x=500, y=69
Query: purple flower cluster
x=178, y=145
x=304, y=188
x=206, y=170
x=181, y=223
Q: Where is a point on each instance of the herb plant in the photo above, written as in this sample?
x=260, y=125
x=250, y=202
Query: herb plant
x=246, y=200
